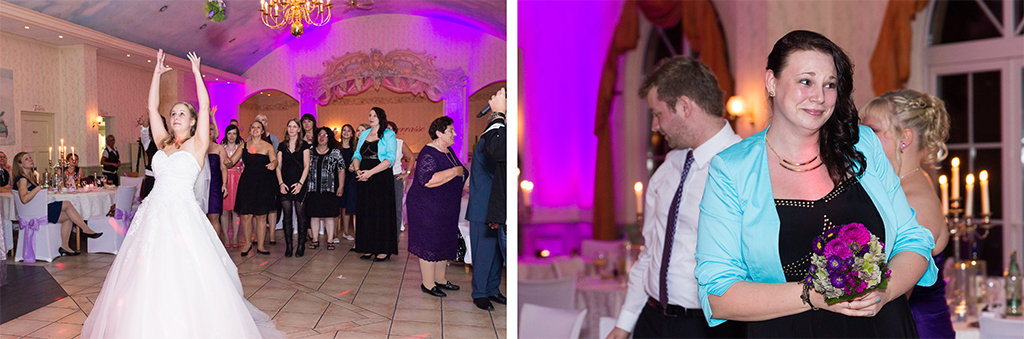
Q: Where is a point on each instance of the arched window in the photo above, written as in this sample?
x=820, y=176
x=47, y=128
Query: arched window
x=975, y=63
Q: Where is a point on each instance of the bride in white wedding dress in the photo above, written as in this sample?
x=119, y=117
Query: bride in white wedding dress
x=172, y=277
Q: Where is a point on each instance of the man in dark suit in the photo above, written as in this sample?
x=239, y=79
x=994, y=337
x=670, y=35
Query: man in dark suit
x=486, y=210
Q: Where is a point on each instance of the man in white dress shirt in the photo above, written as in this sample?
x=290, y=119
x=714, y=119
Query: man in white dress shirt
x=686, y=105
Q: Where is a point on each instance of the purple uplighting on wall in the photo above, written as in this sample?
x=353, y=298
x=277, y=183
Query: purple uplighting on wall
x=563, y=44
x=226, y=97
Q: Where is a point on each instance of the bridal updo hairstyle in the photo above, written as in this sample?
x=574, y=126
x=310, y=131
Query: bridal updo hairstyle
x=921, y=112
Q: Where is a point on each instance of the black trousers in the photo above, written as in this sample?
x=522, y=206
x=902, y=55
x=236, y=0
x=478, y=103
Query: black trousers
x=653, y=324
x=147, y=186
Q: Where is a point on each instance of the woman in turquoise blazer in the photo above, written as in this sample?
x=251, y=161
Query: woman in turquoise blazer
x=376, y=234
x=739, y=269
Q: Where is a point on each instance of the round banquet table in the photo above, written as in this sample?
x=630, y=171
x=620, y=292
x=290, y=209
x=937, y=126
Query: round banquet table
x=601, y=298
x=89, y=204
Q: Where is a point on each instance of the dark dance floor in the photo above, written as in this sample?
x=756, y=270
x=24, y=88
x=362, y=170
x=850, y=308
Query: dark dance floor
x=28, y=289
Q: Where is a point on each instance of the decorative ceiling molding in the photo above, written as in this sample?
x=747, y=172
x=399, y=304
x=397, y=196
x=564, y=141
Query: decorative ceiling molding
x=101, y=40
x=402, y=71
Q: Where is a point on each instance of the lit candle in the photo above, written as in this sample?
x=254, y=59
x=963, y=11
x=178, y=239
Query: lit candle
x=944, y=185
x=985, y=207
x=527, y=187
x=639, y=189
x=72, y=149
x=50, y=154
x=956, y=178
x=970, y=197
x=61, y=142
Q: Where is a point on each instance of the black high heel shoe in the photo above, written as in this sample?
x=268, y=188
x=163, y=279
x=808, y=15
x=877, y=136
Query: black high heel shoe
x=386, y=257
x=66, y=253
x=92, y=235
x=246, y=253
x=262, y=252
x=447, y=285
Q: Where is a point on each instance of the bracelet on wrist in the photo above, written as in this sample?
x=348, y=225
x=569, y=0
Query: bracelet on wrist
x=806, y=297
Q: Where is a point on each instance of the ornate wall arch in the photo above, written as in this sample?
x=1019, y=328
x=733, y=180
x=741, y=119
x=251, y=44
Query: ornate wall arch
x=402, y=71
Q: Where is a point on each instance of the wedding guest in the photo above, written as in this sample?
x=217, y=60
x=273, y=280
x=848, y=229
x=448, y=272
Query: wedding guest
x=434, y=201
x=325, y=167
x=27, y=186
x=486, y=209
x=348, y=199
x=308, y=125
x=256, y=189
x=148, y=146
x=229, y=220
x=111, y=160
x=767, y=197
x=686, y=106
x=218, y=176
x=400, y=172
x=913, y=128
x=234, y=122
x=73, y=171
x=271, y=219
x=5, y=171
x=292, y=171
x=376, y=233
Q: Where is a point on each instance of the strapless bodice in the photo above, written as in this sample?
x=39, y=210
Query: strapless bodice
x=177, y=171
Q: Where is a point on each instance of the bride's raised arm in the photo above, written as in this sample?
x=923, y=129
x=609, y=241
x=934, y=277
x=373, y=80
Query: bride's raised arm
x=157, y=126
x=203, y=124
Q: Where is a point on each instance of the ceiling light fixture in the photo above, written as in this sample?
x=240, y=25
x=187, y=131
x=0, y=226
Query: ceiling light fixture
x=277, y=14
x=129, y=55
x=149, y=60
x=60, y=36
x=26, y=27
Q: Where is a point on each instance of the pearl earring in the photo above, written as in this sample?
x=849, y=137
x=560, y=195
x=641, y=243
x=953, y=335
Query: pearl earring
x=771, y=94
x=904, y=145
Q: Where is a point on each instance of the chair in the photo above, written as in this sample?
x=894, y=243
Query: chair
x=32, y=220
x=591, y=248
x=606, y=327
x=133, y=181
x=113, y=228
x=568, y=268
x=557, y=293
x=995, y=327
x=545, y=322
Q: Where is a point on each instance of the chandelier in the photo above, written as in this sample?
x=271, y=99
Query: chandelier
x=279, y=13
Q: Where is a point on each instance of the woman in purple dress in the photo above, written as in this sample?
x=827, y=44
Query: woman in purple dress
x=433, y=205
x=913, y=128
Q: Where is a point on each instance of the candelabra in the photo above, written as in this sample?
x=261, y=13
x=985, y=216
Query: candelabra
x=61, y=179
x=967, y=272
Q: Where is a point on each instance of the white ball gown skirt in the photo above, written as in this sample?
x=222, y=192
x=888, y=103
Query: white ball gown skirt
x=172, y=277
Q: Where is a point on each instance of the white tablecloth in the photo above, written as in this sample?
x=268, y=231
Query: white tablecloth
x=89, y=204
x=601, y=298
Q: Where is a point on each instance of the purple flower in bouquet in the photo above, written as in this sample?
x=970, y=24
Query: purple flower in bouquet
x=838, y=248
x=853, y=260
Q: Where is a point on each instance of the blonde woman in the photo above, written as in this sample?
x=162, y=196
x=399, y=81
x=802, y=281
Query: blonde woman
x=57, y=212
x=913, y=128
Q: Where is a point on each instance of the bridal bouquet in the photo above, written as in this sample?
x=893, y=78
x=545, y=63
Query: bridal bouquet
x=847, y=262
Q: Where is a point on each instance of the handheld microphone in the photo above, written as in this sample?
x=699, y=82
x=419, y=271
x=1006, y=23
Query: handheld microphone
x=484, y=111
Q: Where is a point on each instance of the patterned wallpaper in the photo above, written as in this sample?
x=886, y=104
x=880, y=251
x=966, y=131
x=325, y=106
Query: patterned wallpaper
x=123, y=89
x=36, y=70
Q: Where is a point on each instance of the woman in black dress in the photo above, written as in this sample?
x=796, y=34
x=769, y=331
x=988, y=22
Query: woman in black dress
x=293, y=158
x=256, y=186
x=325, y=167
x=376, y=234
x=348, y=199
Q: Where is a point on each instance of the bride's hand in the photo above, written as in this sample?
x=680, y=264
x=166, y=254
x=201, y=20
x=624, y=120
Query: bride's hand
x=160, y=67
x=195, y=61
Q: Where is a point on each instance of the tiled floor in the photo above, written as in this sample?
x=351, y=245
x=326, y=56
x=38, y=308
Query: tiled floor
x=325, y=294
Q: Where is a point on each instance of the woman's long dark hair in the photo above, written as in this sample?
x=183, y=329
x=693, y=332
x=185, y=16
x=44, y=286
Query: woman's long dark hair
x=382, y=118
x=238, y=135
x=837, y=137
x=351, y=141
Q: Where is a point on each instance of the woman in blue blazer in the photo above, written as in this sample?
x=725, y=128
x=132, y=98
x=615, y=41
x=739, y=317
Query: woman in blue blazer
x=375, y=189
x=769, y=196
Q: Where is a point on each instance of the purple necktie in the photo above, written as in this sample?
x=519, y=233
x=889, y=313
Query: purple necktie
x=670, y=233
